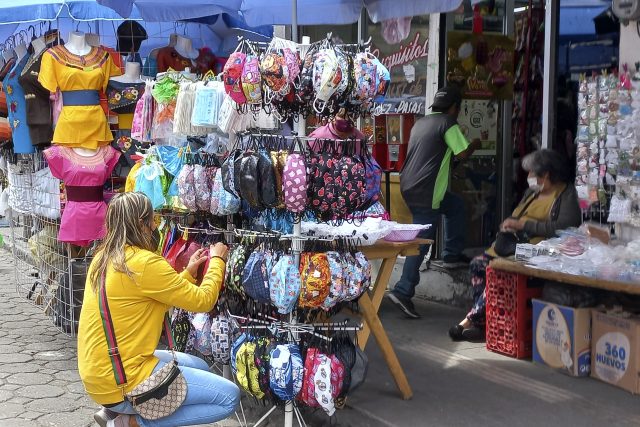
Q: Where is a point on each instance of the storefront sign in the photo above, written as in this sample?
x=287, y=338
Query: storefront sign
x=481, y=64
x=402, y=46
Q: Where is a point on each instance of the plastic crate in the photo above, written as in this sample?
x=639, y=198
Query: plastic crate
x=509, y=313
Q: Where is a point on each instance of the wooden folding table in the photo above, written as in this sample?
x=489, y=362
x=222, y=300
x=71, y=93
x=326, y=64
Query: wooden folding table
x=370, y=302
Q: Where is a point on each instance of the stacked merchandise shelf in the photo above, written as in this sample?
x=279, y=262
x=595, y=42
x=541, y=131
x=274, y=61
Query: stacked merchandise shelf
x=527, y=90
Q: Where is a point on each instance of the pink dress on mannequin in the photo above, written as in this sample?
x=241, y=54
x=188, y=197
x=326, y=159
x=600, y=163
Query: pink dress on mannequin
x=82, y=221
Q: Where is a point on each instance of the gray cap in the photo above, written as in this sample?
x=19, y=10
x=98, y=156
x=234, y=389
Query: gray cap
x=446, y=97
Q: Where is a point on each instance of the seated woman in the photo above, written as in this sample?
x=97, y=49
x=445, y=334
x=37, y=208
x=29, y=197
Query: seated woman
x=550, y=204
x=140, y=287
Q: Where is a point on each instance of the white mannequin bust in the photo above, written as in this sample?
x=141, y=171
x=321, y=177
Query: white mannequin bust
x=92, y=39
x=172, y=42
x=184, y=47
x=21, y=51
x=7, y=54
x=38, y=45
x=84, y=152
x=131, y=73
x=77, y=44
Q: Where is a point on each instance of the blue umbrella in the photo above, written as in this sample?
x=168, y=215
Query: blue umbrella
x=338, y=12
x=20, y=11
x=172, y=10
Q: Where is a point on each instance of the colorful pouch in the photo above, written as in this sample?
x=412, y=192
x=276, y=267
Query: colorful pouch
x=233, y=77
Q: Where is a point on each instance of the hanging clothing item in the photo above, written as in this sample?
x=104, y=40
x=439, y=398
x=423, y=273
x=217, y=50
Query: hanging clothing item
x=122, y=98
x=17, y=109
x=168, y=57
x=4, y=111
x=37, y=102
x=80, y=80
x=150, y=67
x=83, y=217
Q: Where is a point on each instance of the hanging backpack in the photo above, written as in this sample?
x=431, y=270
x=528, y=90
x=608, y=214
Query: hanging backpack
x=315, y=280
x=286, y=371
x=228, y=171
x=232, y=76
x=201, y=324
x=180, y=328
x=256, y=274
x=252, y=80
x=220, y=339
x=264, y=347
x=337, y=287
x=234, y=269
x=246, y=370
x=268, y=192
x=284, y=284
x=247, y=176
x=294, y=181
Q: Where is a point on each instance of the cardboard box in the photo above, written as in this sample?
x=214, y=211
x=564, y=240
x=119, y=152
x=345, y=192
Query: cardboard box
x=616, y=346
x=562, y=337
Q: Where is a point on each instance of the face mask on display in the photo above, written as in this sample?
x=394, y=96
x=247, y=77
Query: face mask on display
x=343, y=126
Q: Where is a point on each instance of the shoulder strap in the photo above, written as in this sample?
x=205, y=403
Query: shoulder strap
x=526, y=206
x=109, y=332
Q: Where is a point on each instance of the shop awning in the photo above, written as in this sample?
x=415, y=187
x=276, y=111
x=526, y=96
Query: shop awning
x=338, y=12
x=173, y=10
x=20, y=11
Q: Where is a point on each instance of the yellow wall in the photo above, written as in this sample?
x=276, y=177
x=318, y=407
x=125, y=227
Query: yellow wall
x=399, y=210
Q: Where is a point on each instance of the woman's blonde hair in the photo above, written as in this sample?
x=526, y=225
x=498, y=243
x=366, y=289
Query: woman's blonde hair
x=128, y=219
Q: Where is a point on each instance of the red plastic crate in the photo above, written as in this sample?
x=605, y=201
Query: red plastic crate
x=509, y=314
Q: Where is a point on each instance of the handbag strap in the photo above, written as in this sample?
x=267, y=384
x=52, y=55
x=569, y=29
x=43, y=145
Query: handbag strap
x=110, y=334
x=526, y=206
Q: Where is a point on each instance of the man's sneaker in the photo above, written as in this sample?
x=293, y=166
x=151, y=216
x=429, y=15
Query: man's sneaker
x=405, y=305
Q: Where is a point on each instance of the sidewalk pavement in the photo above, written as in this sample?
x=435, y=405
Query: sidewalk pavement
x=454, y=384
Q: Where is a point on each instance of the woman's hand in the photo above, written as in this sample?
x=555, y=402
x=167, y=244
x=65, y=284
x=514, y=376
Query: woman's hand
x=219, y=250
x=196, y=260
x=511, y=224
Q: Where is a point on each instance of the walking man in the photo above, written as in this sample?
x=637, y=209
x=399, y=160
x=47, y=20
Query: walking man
x=424, y=179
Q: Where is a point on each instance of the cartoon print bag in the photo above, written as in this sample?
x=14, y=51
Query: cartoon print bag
x=284, y=284
x=252, y=80
x=232, y=79
x=294, y=181
x=315, y=280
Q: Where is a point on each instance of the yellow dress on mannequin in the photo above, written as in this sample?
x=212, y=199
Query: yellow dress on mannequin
x=82, y=122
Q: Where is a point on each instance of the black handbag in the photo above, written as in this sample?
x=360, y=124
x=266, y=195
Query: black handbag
x=506, y=241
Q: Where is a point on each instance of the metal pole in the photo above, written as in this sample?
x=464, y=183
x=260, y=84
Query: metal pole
x=552, y=10
x=294, y=20
x=505, y=150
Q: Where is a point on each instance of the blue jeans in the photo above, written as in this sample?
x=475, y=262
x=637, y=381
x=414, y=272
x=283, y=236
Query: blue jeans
x=452, y=207
x=210, y=398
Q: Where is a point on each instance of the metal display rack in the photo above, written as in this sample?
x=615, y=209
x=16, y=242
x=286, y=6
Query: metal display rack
x=49, y=274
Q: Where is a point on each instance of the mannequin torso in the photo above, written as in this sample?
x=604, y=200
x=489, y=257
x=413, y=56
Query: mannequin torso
x=84, y=152
x=38, y=45
x=21, y=51
x=172, y=42
x=7, y=54
x=184, y=47
x=77, y=44
x=131, y=73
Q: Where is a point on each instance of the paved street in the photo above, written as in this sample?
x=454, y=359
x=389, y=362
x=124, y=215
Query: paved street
x=454, y=384
x=39, y=382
